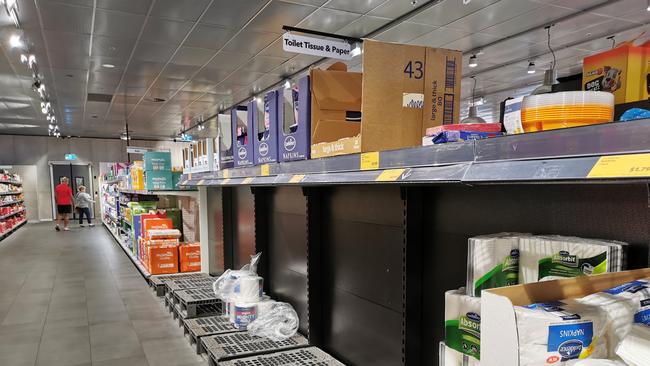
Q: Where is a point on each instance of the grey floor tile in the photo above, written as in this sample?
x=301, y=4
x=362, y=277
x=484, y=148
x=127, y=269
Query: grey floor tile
x=114, y=340
x=64, y=346
x=169, y=352
x=131, y=361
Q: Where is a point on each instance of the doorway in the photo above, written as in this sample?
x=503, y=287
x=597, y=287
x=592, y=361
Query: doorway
x=78, y=174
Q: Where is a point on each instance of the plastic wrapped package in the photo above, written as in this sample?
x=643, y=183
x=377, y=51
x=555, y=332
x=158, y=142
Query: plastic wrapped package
x=225, y=284
x=635, y=348
x=164, y=234
x=599, y=362
x=278, y=323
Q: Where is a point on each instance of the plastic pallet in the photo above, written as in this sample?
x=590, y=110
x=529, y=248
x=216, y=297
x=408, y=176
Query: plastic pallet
x=197, y=328
x=190, y=300
x=158, y=282
x=201, y=311
x=311, y=356
x=225, y=347
x=189, y=283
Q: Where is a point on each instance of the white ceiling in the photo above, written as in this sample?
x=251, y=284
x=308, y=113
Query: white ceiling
x=200, y=54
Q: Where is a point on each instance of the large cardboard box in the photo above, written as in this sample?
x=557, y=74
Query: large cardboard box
x=622, y=71
x=499, y=332
x=403, y=90
x=162, y=259
x=157, y=161
x=190, y=257
x=155, y=224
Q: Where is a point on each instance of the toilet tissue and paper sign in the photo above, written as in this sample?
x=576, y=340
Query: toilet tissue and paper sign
x=463, y=323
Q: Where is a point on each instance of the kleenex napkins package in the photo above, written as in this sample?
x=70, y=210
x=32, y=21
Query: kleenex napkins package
x=560, y=333
x=492, y=261
x=554, y=257
x=463, y=322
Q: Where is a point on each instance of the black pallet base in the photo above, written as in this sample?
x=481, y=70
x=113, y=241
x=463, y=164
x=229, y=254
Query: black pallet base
x=224, y=347
x=158, y=282
x=310, y=356
x=197, y=328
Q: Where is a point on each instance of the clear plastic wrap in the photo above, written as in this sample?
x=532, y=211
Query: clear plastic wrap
x=278, y=323
x=224, y=285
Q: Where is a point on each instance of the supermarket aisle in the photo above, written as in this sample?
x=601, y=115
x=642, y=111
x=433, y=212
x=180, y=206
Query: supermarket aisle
x=74, y=298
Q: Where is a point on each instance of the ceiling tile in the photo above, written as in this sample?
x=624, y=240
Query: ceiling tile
x=228, y=61
x=250, y=42
x=439, y=37
x=179, y=9
x=66, y=18
x=232, y=14
x=404, y=32
x=328, y=20
x=165, y=31
x=624, y=9
x=105, y=78
x=118, y=24
x=192, y=56
x=71, y=43
x=360, y=7
x=494, y=14
x=112, y=47
x=180, y=71
x=137, y=67
x=395, y=8
x=210, y=76
x=153, y=52
x=129, y=6
x=533, y=19
x=244, y=78
x=446, y=12
x=264, y=63
x=277, y=14
x=209, y=36
x=470, y=42
x=363, y=26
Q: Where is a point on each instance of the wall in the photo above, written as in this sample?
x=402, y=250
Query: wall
x=39, y=151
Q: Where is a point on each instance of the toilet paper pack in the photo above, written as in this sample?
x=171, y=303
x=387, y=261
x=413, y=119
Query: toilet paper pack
x=493, y=261
x=555, y=257
x=463, y=323
x=560, y=333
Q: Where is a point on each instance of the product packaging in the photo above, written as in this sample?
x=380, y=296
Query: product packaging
x=157, y=161
x=278, y=324
x=137, y=176
x=242, y=130
x=244, y=313
x=622, y=71
x=190, y=257
x=635, y=348
x=493, y=261
x=226, y=141
x=417, y=86
x=457, y=136
x=463, y=323
x=512, y=116
x=265, y=128
x=162, y=259
x=294, y=121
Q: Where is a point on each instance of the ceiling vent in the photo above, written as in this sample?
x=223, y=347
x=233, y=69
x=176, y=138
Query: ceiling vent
x=105, y=98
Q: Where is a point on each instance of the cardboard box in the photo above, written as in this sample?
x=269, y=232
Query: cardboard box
x=137, y=176
x=190, y=257
x=158, y=180
x=403, y=90
x=242, y=138
x=622, y=71
x=265, y=128
x=499, y=334
x=155, y=224
x=162, y=259
x=157, y=161
x=294, y=122
x=226, y=158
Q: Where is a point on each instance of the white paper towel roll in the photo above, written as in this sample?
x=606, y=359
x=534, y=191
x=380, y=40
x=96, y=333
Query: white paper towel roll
x=560, y=333
x=463, y=322
x=635, y=348
x=554, y=257
x=493, y=261
x=248, y=289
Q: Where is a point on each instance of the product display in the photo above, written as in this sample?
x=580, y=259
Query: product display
x=12, y=209
x=463, y=323
x=493, y=261
x=635, y=347
x=566, y=109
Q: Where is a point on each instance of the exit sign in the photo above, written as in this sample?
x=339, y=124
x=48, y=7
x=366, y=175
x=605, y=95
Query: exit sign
x=70, y=156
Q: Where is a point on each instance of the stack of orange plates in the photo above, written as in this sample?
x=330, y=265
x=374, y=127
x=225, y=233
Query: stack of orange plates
x=566, y=109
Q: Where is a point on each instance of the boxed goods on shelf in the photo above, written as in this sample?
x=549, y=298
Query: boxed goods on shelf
x=137, y=176
x=566, y=109
x=417, y=86
x=265, y=128
x=162, y=259
x=157, y=161
x=294, y=122
x=622, y=71
x=226, y=156
x=460, y=132
x=158, y=180
x=190, y=257
x=555, y=321
x=242, y=129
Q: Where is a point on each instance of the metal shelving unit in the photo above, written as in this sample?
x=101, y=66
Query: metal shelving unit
x=11, y=203
x=11, y=214
x=128, y=252
x=13, y=230
x=10, y=193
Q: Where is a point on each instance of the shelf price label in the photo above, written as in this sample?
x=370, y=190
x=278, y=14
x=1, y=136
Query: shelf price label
x=248, y=180
x=264, y=170
x=369, y=161
x=621, y=166
x=226, y=173
x=297, y=178
x=390, y=175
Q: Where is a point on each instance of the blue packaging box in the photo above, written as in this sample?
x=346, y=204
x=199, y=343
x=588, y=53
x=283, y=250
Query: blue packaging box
x=294, y=122
x=242, y=131
x=265, y=133
x=226, y=159
x=157, y=161
x=156, y=180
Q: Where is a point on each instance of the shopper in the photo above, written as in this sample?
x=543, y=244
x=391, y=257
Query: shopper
x=83, y=201
x=64, y=198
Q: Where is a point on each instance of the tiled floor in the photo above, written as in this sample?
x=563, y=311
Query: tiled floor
x=74, y=298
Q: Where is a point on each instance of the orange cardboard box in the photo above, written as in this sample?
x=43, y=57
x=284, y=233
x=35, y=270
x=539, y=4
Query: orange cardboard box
x=190, y=257
x=162, y=259
x=156, y=224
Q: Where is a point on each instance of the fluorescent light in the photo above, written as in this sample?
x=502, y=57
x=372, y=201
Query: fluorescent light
x=531, y=67
x=648, y=8
x=14, y=41
x=356, y=51
x=473, y=61
x=479, y=101
x=108, y=66
x=287, y=84
x=32, y=61
x=257, y=99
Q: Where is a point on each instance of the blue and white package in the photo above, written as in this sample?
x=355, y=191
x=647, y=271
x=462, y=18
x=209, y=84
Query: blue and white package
x=455, y=136
x=638, y=292
x=560, y=333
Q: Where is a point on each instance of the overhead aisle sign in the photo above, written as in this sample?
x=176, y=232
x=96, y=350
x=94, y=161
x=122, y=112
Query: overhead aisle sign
x=316, y=46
